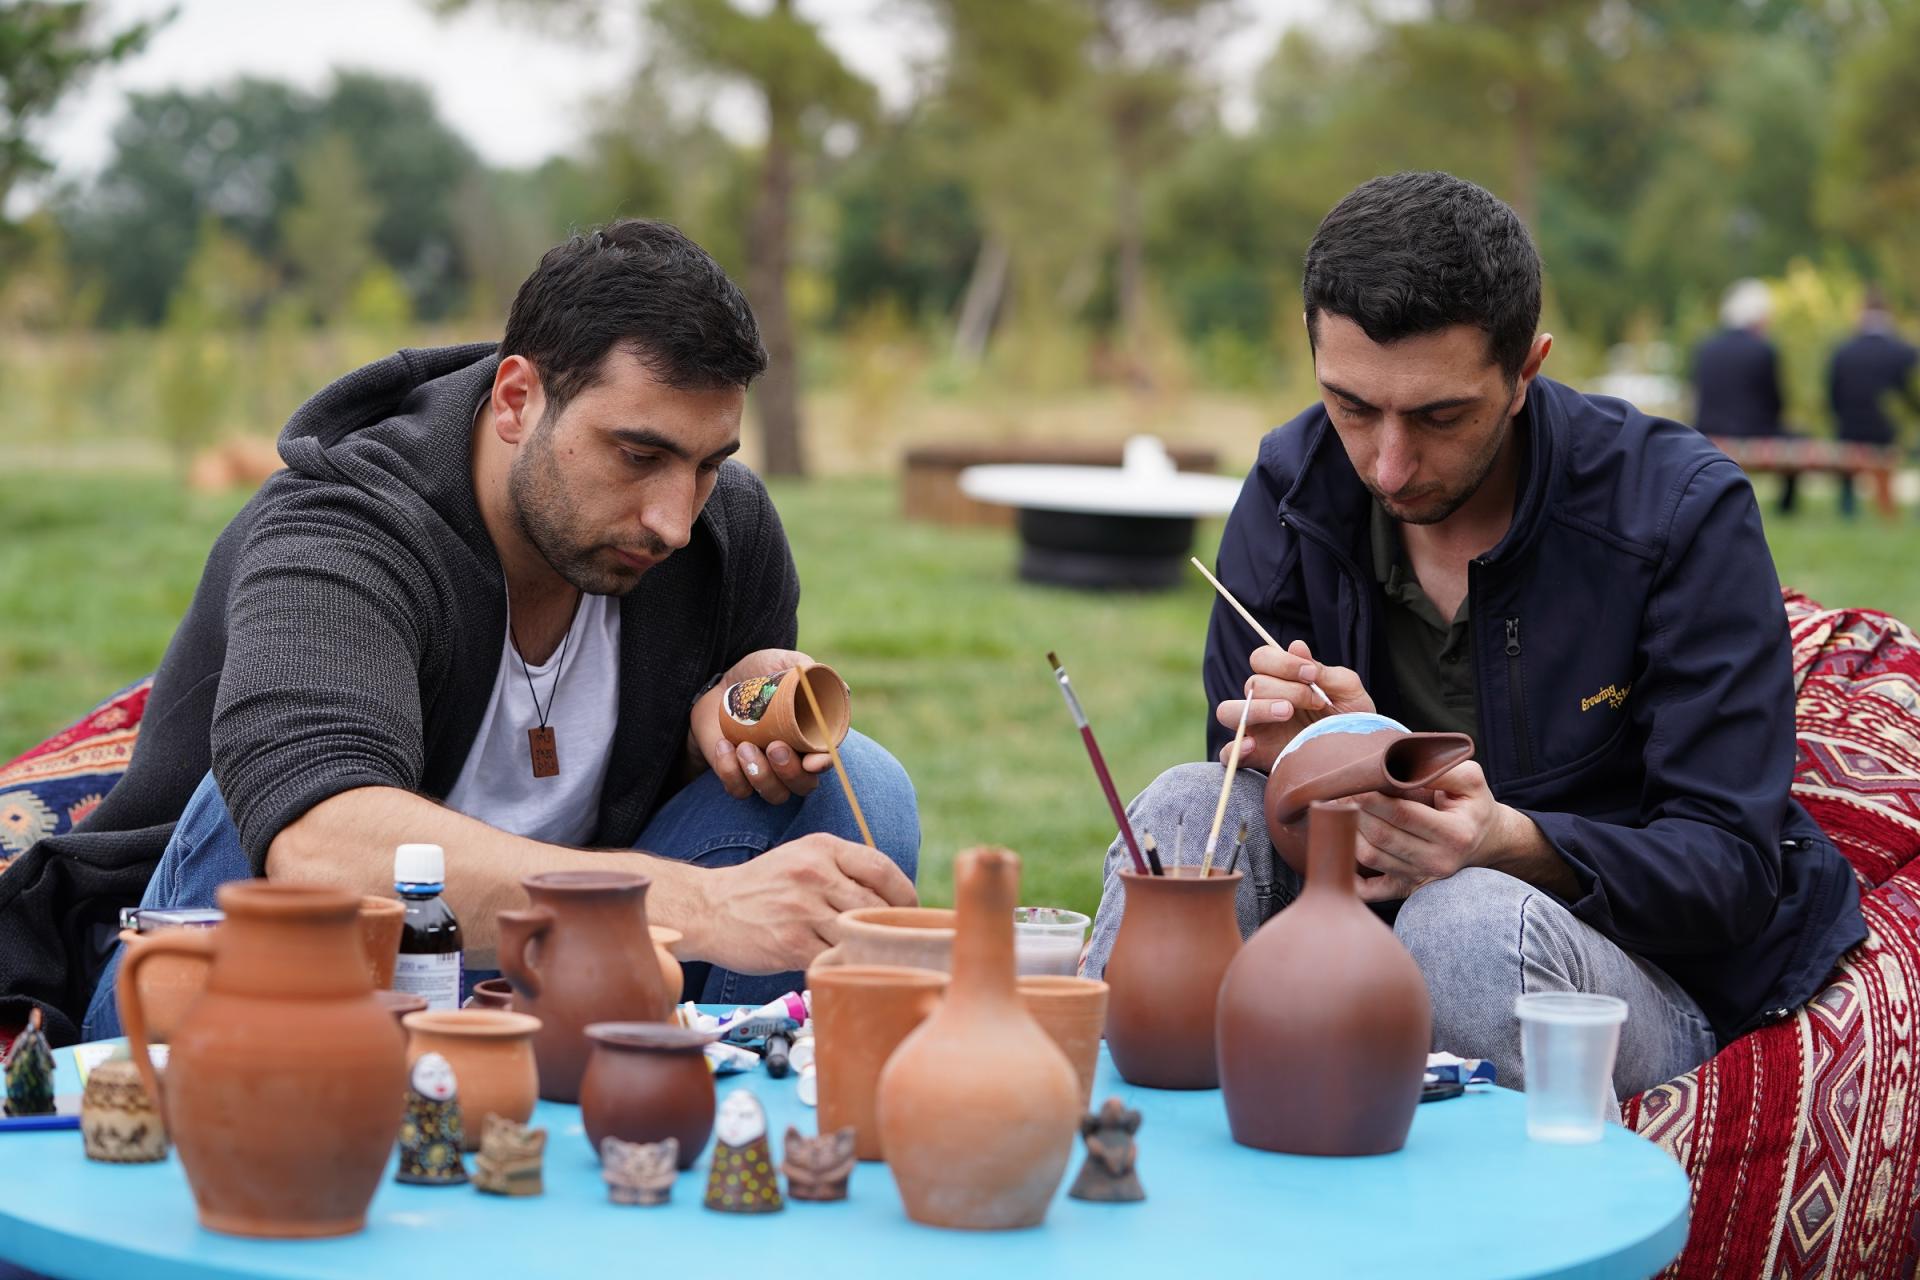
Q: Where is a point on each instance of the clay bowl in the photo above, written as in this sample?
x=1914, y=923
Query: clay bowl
x=491, y=1053
x=1073, y=1011
x=381, y=921
x=168, y=984
x=902, y=937
x=494, y=993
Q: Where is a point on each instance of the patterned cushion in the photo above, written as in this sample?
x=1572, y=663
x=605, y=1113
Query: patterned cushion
x=56, y=784
x=1803, y=1138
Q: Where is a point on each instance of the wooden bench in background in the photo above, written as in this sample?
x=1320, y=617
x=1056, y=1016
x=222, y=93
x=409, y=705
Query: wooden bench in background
x=930, y=488
x=1791, y=455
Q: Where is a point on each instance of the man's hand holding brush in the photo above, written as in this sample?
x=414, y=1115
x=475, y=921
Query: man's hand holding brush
x=1286, y=700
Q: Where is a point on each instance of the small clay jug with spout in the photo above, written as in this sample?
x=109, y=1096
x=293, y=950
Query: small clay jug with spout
x=768, y=709
x=582, y=953
x=287, y=1080
x=1177, y=937
x=978, y=1107
x=1346, y=755
x=1324, y=1018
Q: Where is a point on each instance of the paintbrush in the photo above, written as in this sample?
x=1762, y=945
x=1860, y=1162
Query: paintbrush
x=1153, y=855
x=846, y=783
x=1099, y=765
x=1239, y=843
x=1226, y=788
x=1265, y=635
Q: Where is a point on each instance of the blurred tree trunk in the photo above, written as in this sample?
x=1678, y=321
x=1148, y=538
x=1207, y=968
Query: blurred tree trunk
x=769, y=256
x=986, y=287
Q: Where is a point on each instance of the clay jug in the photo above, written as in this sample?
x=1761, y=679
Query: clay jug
x=1177, y=937
x=861, y=1013
x=901, y=937
x=647, y=1082
x=768, y=709
x=287, y=1079
x=1346, y=755
x=1324, y=1018
x=582, y=953
x=168, y=986
x=978, y=1108
x=491, y=1053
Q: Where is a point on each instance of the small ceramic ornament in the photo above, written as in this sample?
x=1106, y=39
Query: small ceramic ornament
x=818, y=1168
x=509, y=1159
x=30, y=1072
x=118, y=1121
x=742, y=1178
x=1108, y=1175
x=639, y=1172
x=430, y=1135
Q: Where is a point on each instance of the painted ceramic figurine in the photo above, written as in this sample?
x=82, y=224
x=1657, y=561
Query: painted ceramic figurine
x=509, y=1159
x=30, y=1072
x=118, y=1121
x=639, y=1172
x=742, y=1178
x=430, y=1135
x=1108, y=1175
x=818, y=1168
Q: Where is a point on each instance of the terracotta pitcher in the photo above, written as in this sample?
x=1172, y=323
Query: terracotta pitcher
x=168, y=985
x=861, y=1013
x=1346, y=755
x=491, y=1053
x=978, y=1108
x=1324, y=1018
x=582, y=953
x=1176, y=939
x=287, y=1079
x=767, y=709
x=904, y=937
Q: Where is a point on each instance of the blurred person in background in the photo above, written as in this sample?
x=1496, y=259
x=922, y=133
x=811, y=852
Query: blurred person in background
x=1867, y=369
x=1736, y=376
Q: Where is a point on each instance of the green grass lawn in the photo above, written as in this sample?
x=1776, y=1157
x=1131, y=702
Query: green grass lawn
x=944, y=650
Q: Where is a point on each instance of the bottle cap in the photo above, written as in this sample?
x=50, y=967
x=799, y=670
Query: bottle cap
x=419, y=864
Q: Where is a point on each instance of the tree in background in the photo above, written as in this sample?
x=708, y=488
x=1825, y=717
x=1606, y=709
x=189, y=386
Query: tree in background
x=327, y=235
x=1870, y=187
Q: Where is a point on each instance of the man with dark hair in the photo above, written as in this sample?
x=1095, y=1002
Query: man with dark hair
x=492, y=603
x=1873, y=366
x=1453, y=540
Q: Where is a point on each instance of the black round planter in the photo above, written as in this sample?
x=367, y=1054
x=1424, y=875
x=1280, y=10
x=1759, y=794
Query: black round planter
x=1090, y=549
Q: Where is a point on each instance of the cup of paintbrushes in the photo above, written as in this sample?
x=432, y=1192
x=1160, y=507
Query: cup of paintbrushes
x=1178, y=933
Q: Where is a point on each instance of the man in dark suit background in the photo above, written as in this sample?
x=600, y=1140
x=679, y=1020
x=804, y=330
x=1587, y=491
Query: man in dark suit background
x=1736, y=375
x=1867, y=368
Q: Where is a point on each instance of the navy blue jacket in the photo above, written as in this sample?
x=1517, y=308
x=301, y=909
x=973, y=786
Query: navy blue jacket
x=1736, y=383
x=1866, y=369
x=1635, y=688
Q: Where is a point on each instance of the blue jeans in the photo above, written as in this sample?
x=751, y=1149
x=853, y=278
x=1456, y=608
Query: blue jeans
x=702, y=825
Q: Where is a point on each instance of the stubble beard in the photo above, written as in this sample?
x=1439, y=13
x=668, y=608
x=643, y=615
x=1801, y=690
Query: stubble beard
x=541, y=498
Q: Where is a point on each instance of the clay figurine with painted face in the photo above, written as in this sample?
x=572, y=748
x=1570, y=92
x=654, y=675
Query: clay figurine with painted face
x=430, y=1135
x=742, y=1178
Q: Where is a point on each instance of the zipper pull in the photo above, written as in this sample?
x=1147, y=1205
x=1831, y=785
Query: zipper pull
x=1513, y=637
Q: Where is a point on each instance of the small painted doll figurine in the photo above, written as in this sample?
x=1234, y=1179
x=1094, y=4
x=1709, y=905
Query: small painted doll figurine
x=817, y=1168
x=509, y=1159
x=1108, y=1174
x=742, y=1178
x=118, y=1121
x=30, y=1072
x=639, y=1172
x=430, y=1135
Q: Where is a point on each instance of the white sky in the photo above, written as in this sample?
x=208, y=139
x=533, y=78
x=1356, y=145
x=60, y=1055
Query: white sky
x=516, y=92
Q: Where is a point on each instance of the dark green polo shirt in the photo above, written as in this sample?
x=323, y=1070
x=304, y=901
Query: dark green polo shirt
x=1432, y=659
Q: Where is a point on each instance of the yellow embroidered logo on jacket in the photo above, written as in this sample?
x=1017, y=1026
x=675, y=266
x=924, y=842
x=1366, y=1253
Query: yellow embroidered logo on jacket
x=1613, y=695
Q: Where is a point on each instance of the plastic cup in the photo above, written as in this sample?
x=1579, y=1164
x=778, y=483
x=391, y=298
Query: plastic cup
x=1568, y=1040
x=1048, y=940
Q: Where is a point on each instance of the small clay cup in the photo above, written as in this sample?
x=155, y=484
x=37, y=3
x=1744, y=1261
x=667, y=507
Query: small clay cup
x=646, y=1082
x=787, y=716
x=494, y=993
x=381, y=921
x=168, y=983
x=861, y=1013
x=1073, y=1011
x=900, y=937
x=491, y=1053
x=400, y=1003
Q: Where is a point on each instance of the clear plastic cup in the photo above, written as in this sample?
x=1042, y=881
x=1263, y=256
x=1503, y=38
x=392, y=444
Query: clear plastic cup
x=1048, y=940
x=1568, y=1040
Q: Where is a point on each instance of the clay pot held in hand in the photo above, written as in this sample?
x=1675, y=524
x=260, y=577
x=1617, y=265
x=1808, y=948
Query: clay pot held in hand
x=491, y=1053
x=1177, y=937
x=581, y=954
x=1072, y=1011
x=381, y=920
x=978, y=1108
x=1346, y=755
x=287, y=1079
x=647, y=1082
x=1324, y=1018
x=861, y=1013
x=768, y=709
x=899, y=937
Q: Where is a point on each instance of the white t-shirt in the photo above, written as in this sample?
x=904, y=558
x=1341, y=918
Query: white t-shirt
x=497, y=785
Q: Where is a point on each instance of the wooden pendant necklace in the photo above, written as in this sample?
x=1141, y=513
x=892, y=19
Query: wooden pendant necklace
x=540, y=743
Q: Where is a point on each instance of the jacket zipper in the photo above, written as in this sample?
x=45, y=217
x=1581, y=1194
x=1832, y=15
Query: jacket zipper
x=1517, y=699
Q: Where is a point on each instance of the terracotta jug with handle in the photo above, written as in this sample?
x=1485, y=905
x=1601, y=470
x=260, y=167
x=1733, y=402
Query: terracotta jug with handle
x=287, y=1079
x=582, y=953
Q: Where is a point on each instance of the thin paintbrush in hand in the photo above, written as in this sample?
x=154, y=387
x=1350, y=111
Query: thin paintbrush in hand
x=1099, y=765
x=1226, y=788
x=1264, y=634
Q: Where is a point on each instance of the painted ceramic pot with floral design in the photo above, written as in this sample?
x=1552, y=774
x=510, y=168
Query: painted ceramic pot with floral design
x=768, y=709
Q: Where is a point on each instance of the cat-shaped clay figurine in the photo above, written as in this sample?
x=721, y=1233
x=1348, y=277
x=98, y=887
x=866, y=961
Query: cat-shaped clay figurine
x=639, y=1172
x=509, y=1159
x=818, y=1168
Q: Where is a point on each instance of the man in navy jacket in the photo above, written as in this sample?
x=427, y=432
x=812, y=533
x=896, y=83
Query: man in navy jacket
x=1867, y=370
x=1450, y=539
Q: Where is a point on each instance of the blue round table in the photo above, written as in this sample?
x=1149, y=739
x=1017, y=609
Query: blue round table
x=1469, y=1196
